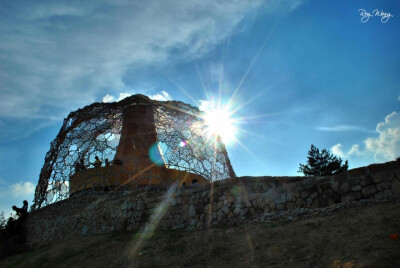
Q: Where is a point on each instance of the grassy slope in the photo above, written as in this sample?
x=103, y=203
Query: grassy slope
x=357, y=237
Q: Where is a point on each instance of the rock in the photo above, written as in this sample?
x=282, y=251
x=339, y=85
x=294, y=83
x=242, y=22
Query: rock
x=272, y=205
x=177, y=219
x=260, y=203
x=283, y=197
x=207, y=209
x=384, y=194
x=383, y=186
x=267, y=208
x=220, y=214
x=343, y=188
x=377, y=177
x=244, y=211
x=368, y=191
x=85, y=229
x=252, y=211
x=366, y=181
x=396, y=187
x=309, y=201
x=305, y=194
x=353, y=181
x=290, y=205
x=236, y=211
x=355, y=188
x=225, y=209
x=327, y=193
x=314, y=195
x=192, y=211
x=200, y=224
x=348, y=197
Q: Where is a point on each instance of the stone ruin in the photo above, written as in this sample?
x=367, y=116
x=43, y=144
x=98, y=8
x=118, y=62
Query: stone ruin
x=140, y=142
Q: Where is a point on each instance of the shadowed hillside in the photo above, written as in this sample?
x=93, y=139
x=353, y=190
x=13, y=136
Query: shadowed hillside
x=353, y=237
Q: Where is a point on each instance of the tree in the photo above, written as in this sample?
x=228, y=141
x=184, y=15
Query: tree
x=322, y=163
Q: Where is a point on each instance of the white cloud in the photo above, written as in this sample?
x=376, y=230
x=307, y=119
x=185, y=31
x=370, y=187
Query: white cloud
x=22, y=189
x=56, y=55
x=109, y=98
x=62, y=52
x=344, y=128
x=385, y=147
x=162, y=96
x=337, y=150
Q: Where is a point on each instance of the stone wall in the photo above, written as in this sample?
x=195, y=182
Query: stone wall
x=223, y=202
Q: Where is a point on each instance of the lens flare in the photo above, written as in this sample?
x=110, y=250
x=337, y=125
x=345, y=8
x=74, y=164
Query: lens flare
x=183, y=143
x=219, y=122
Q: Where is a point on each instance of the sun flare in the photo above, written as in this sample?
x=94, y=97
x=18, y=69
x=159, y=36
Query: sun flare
x=219, y=122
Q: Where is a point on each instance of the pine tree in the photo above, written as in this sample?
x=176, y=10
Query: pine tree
x=322, y=163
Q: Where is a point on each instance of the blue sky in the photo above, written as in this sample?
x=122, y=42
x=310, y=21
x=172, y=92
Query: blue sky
x=297, y=72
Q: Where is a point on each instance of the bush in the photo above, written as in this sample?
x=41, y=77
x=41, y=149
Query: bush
x=322, y=163
x=12, y=236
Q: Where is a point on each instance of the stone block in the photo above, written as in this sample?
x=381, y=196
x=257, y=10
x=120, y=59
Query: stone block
x=327, y=193
x=283, y=197
x=289, y=196
x=343, y=188
x=384, y=194
x=207, y=209
x=252, y=211
x=225, y=209
x=290, y=205
x=220, y=215
x=85, y=230
x=353, y=181
x=377, y=177
x=383, y=186
x=236, y=211
x=396, y=187
x=309, y=202
x=244, y=211
x=368, y=191
x=192, y=211
x=348, y=197
x=397, y=173
x=260, y=203
x=355, y=188
x=325, y=185
x=267, y=208
x=366, y=180
x=280, y=207
x=272, y=205
x=305, y=194
x=314, y=195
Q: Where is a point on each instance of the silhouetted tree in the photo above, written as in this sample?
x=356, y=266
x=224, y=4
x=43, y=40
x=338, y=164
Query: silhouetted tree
x=322, y=163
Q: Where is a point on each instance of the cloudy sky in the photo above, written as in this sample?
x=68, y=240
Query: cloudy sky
x=296, y=72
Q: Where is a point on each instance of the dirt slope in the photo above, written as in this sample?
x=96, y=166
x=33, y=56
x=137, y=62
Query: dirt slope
x=356, y=237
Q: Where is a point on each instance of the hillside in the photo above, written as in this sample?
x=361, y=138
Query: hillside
x=352, y=237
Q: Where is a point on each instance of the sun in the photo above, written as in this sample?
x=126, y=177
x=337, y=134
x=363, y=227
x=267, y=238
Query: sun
x=219, y=122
